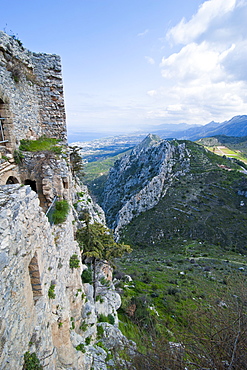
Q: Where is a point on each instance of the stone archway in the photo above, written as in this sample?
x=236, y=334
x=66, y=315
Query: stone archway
x=12, y=180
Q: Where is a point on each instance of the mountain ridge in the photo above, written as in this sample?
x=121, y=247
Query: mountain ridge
x=236, y=126
x=181, y=182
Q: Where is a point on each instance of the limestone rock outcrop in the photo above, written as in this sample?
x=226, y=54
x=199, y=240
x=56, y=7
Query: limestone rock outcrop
x=138, y=181
x=45, y=306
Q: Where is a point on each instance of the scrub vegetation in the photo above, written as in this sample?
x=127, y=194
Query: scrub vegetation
x=185, y=305
x=41, y=144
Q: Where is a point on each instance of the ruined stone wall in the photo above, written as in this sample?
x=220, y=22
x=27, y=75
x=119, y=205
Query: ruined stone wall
x=31, y=93
x=50, y=173
x=34, y=256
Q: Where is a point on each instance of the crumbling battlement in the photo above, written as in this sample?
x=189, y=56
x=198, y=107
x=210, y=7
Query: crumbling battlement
x=31, y=94
x=32, y=106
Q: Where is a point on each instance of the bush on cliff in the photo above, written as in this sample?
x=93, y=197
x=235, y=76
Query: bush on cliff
x=61, y=211
x=31, y=362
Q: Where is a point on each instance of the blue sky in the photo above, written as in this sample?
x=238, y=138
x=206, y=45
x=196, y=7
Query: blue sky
x=131, y=64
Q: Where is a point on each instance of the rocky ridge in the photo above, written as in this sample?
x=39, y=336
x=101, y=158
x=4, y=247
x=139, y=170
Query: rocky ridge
x=164, y=190
x=138, y=181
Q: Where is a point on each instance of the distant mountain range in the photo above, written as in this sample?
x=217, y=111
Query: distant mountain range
x=236, y=126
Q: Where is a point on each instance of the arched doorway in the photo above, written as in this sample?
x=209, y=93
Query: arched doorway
x=12, y=180
x=32, y=184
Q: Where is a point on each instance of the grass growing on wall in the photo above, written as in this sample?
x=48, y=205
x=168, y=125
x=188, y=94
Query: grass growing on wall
x=41, y=144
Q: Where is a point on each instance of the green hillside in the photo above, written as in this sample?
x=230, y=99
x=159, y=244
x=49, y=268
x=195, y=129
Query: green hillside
x=185, y=292
x=203, y=205
x=188, y=267
x=229, y=146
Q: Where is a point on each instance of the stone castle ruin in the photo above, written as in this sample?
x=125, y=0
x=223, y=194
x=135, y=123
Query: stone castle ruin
x=45, y=308
x=31, y=106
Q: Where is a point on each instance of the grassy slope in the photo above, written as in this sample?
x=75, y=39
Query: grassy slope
x=176, y=280
x=176, y=266
x=189, y=253
x=98, y=168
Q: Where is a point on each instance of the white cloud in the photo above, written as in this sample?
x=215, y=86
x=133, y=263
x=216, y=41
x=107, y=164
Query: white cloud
x=206, y=79
x=186, y=32
x=202, y=62
x=141, y=34
x=152, y=92
x=150, y=60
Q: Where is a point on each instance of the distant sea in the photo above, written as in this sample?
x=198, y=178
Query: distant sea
x=87, y=136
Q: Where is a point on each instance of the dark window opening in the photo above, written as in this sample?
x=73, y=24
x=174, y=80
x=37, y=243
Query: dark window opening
x=35, y=277
x=32, y=184
x=2, y=118
x=12, y=180
x=1, y=131
x=65, y=184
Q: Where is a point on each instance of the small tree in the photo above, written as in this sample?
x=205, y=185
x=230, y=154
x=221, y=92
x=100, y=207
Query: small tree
x=98, y=243
x=76, y=162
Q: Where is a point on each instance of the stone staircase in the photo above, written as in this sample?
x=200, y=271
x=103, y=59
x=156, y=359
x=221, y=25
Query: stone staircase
x=7, y=162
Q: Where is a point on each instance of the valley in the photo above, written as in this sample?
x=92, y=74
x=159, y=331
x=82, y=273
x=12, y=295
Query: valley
x=187, y=272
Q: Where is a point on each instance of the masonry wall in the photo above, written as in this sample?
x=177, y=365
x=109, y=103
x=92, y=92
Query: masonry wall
x=31, y=93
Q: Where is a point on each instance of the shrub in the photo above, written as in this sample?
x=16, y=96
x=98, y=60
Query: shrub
x=61, y=211
x=105, y=282
x=18, y=157
x=99, y=299
x=109, y=318
x=74, y=262
x=83, y=326
x=80, y=347
x=88, y=340
x=86, y=276
x=51, y=292
x=100, y=331
x=31, y=362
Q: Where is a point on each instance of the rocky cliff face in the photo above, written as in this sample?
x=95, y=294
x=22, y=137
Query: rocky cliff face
x=138, y=181
x=46, y=308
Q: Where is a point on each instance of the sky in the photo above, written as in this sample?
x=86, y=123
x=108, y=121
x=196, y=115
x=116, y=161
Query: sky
x=129, y=65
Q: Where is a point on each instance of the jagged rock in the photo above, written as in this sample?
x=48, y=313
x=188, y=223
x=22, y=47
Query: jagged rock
x=115, y=340
x=138, y=181
x=84, y=202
